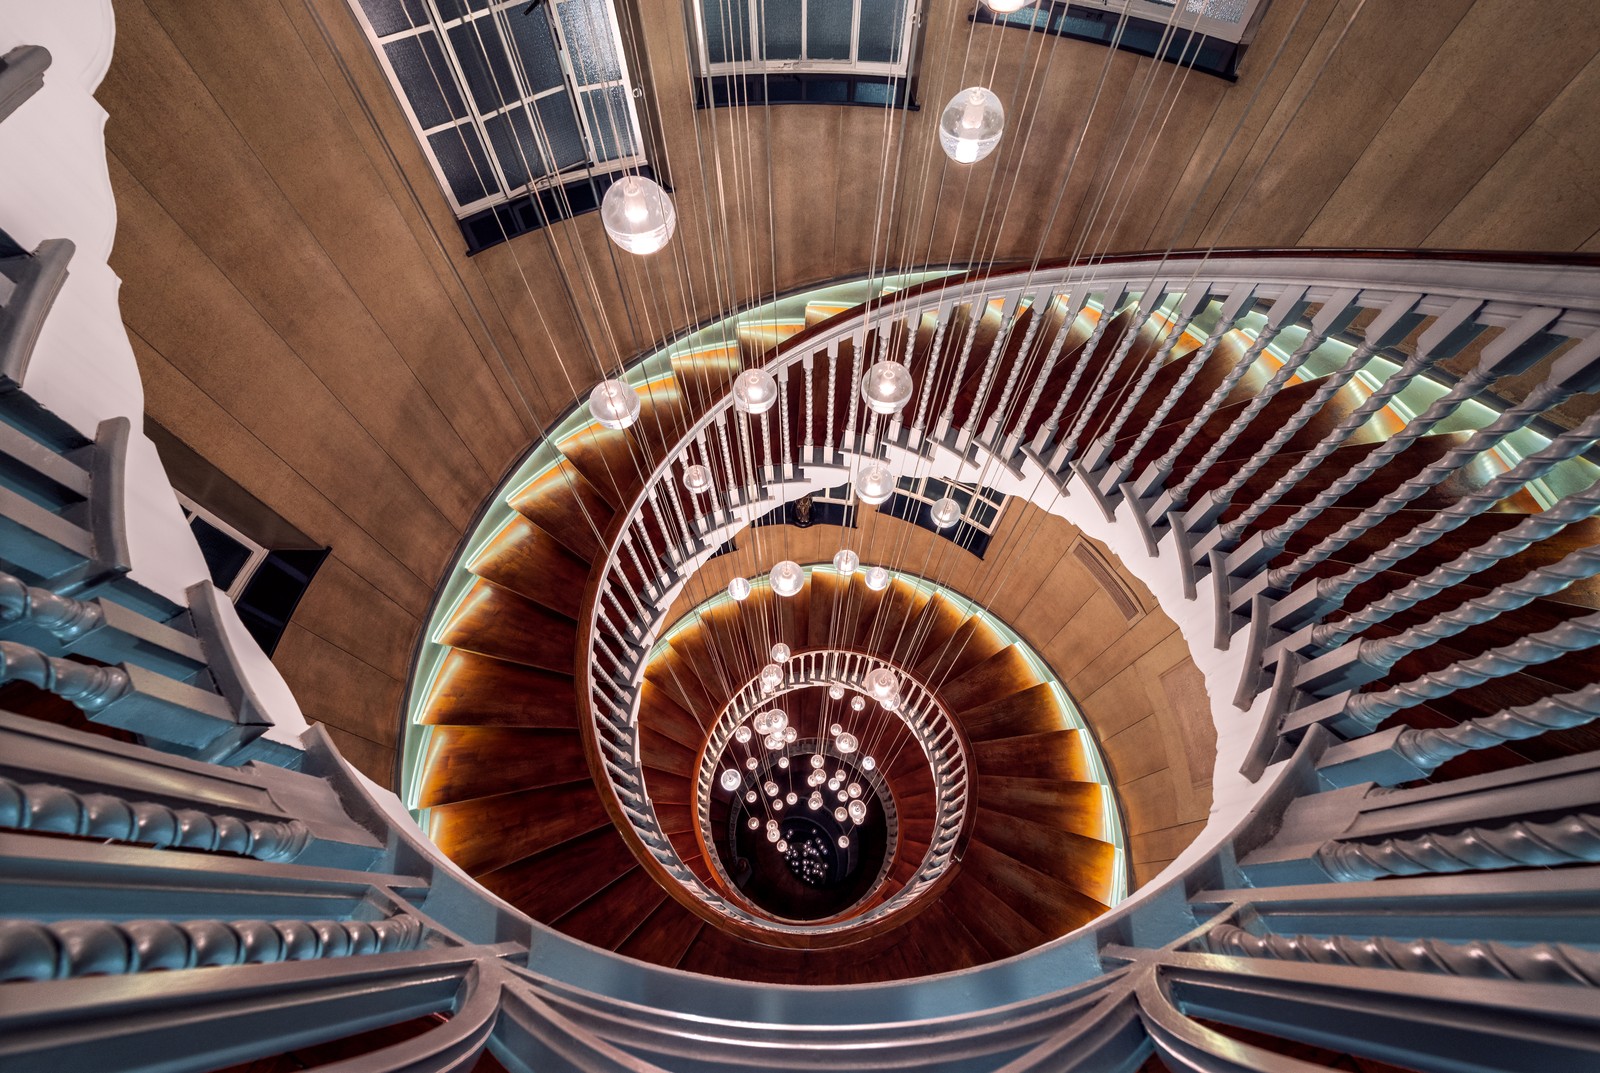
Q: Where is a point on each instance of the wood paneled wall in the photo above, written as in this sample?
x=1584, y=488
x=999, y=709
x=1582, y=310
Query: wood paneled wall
x=304, y=315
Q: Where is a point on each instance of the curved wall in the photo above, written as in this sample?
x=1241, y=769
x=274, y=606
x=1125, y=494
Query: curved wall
x=304, y=317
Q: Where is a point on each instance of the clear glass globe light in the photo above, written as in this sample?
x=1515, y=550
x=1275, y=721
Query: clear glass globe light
x=847, y=743
x=816, y=760
x=739, y=588
x=742, y=735
x=891, y=703
x=840, y=814
x=771, y=675
x=752, y=763
x=771, y=788
x=845, y=561
x=753, y=823
x=877, y=579
x=780, y=653
x=754, y=391
x=772, y=834
x=971, y=125
x=867, y=763
x=814, y=802
x=638, y=214
x=731, y=779
x=886, y=387
x=781, y=846
x=783, y=761
x=697, y=478
x=854, y=789
x=844, y=841
x=777, y=805
x=614, y=404
x=790, y=797
x=750, y=796
x=835, y=730
x=945, y=513
x=836, y=691
x=787, y=577
x=874, y=484
x=881, y=681
x=857, y=810
x=857, y=703
x=1006, y=7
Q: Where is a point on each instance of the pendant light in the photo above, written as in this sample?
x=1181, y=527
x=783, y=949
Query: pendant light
x=877, y=579
x=945, y=513
x=739, y=588
x=754, y=391
x=886, y=387
x=787, y=577
x=614, y=404
x=1006, y=7
x=971, y=125
x=845, y=561
x=874, y=484
x=638, y=214
x=780, y=653
x=697, y=478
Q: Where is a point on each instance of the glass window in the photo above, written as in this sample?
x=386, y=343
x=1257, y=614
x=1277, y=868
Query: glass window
x=864, y=36
x=509, y=97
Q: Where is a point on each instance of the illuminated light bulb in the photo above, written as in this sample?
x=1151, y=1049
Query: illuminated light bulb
x=742, y=735
x=731, y=779
x=867, y=763
x=787, y=577
x=857, y=703
x=847, y=743
x=843, y=797
x=614, y=404
x=783, y=762
x=1006, y=7
x=840, y=814
x=772, y=834
x=834, y=784
x=762, y=723
x=780, y=653
x=857, y=810
x=839, y=777
x=789, y=735
x=817, y=761
x=881, y=681
x=752, y=763
x=835, y=730
x=844, y=841
x=777, y=804
x=874, y=484
x=790, y=798
x=750, y=796
x=771, y=675
x=754, y=824
x=773, y=742
x=770, y=787
x=891, y=703
x=877, y=579
x=854, y=789
x=836, y=691
x=739, y=588
x=777, y=722
x=814, y=802
x=971, y=125
x=845, y=561
x=945, y=513
x=754, y=391
x=886, y=387
x=697, y=478
x=782, y=846
x=638, y=214
x=816, y=778
x=772, y=825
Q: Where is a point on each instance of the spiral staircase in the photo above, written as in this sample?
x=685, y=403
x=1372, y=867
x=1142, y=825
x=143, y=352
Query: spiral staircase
x=1363, y=487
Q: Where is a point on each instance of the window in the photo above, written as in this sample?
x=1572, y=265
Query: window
x=231, y=556
x=864, y=37
x=507, y=97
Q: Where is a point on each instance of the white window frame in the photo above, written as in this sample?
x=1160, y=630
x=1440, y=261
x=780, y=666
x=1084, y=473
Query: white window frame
x=502, y=191
x=1191, y=15
x=899, y=68
x=258, y=554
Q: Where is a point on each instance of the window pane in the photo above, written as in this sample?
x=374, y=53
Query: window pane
x=465, y=168
x=224, y=556
x=536, y=46
x=590, y=46
x=392, y=16
x=780, y=29
x=426, y=77
x=559, y=126
x=609, y=122
x=515, y=147
x=485, y=64
x=727, y=30
x=828, y=29
x=882, y=25
x=454, y=9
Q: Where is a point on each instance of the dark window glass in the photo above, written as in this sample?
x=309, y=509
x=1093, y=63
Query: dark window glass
x=828, y=29
x=609, y=125
x=392, y=16
x=536, y=47
x=484, y=64
x=559, y=126
x=454, y=9
x=426, y=77
x=882, y=25
x=780, y=32
x=727, y=30
x=224, y=556
x=515, y=147
x=590, y=46
x=460, y=156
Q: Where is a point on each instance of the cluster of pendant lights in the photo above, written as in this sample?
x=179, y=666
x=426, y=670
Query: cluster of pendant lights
x=834, y=791
x=640, y=218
